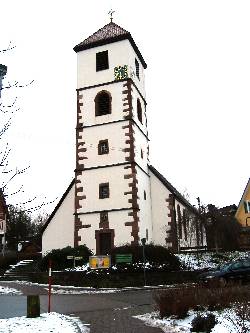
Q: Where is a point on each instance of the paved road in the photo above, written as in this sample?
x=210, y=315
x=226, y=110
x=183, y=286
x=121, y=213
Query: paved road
x=106, y=313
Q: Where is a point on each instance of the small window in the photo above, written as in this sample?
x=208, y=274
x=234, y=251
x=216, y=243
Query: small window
x=147, y=234
x=102, y=61
x=104, y=191
x=102, y=103
x=103, y=147
x=137, y=68
x=104, y=217
x=145, y=195
x=139, y=111
x=141, y=153
x=247, y=206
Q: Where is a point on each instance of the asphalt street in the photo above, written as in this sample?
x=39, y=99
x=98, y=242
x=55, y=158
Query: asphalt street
x=104, y=312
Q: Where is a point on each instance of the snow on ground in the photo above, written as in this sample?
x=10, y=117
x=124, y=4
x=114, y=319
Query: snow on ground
x=47, y=322
x=78, y=291
x=62, y=290
x=20, y=263
x=226, y=322
x=9, y=291
x=209, y=259
x=82, y=268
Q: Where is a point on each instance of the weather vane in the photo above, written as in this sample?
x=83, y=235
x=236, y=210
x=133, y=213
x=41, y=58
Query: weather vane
x=111, y=12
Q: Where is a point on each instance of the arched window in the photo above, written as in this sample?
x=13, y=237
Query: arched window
x=102, y=103
x=139, y=110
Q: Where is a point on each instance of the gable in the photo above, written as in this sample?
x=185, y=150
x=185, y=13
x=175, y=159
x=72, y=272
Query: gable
x=241, y=215
x=58, y=205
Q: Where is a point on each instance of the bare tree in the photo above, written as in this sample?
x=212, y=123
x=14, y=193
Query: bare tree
x=9, y=174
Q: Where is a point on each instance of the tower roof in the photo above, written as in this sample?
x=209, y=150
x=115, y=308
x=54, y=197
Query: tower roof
x=110, y=33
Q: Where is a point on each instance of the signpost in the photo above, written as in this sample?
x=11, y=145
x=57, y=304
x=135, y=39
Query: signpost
x=50, y=280
x=123, y=258
x=74, y=259
x=143, y=241
x=97, y=262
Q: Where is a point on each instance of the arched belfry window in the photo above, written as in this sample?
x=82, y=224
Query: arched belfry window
x=102, y=103
x=139, y=110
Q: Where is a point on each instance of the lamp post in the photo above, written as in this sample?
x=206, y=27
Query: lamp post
x=143, y=241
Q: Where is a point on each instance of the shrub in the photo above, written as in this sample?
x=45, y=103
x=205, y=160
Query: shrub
x=177, y=301
x=203, y=323
x=8, y=259
x=59, y=257
x=156, y=255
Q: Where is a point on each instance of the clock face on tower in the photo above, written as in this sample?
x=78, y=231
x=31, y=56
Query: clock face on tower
x=121, y=72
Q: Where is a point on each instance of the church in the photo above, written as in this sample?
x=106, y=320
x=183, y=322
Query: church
x=116, y=196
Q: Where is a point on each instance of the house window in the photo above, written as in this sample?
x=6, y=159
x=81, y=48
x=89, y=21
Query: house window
x=247, y=206
x=139, y=111
x=103, y=147
x=104, y=191
x=104, y=217
x=141, y=153
x=102, y=103
x=145, y=195
x=137, y=68
x=102, y=61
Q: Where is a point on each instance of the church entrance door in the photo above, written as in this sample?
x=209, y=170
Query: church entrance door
x=105, y=242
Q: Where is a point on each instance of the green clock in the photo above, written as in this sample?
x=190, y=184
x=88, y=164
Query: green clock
x=121, y=72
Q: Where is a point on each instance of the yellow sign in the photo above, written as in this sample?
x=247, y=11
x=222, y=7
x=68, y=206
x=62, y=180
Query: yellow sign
x=97, y=262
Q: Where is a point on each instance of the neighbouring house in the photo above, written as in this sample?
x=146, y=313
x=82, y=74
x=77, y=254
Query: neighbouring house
x=243, y=217
x=116, y=196
x=3, y=219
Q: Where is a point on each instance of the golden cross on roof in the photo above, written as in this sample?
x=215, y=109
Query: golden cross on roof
x=111, y=12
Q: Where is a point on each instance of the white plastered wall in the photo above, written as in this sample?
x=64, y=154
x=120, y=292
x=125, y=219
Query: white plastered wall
x=143, y=125
x=90, y=181
x=60, y=231
x=116, y=141
x=116, y=221
x=145, y=219
x=160, y=211
x=88, y=108
x=120, y=53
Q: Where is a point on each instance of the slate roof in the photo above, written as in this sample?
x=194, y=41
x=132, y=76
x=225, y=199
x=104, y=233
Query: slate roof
x=110, y=33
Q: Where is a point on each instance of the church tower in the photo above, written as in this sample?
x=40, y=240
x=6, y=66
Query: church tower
x=112, y=185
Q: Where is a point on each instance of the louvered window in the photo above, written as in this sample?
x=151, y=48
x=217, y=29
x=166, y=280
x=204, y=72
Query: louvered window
x=102, y=61
x=102, y=103
x=139, y=111
x=137, y=68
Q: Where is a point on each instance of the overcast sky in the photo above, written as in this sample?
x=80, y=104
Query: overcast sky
x=197, y=85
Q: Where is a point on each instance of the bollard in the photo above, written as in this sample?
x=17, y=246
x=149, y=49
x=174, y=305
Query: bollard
x=33, y=306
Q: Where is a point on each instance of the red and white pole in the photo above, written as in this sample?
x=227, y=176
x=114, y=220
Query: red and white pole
x=50, y=281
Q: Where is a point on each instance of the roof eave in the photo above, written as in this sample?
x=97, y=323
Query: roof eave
x=173, y=190
x=110, y=40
